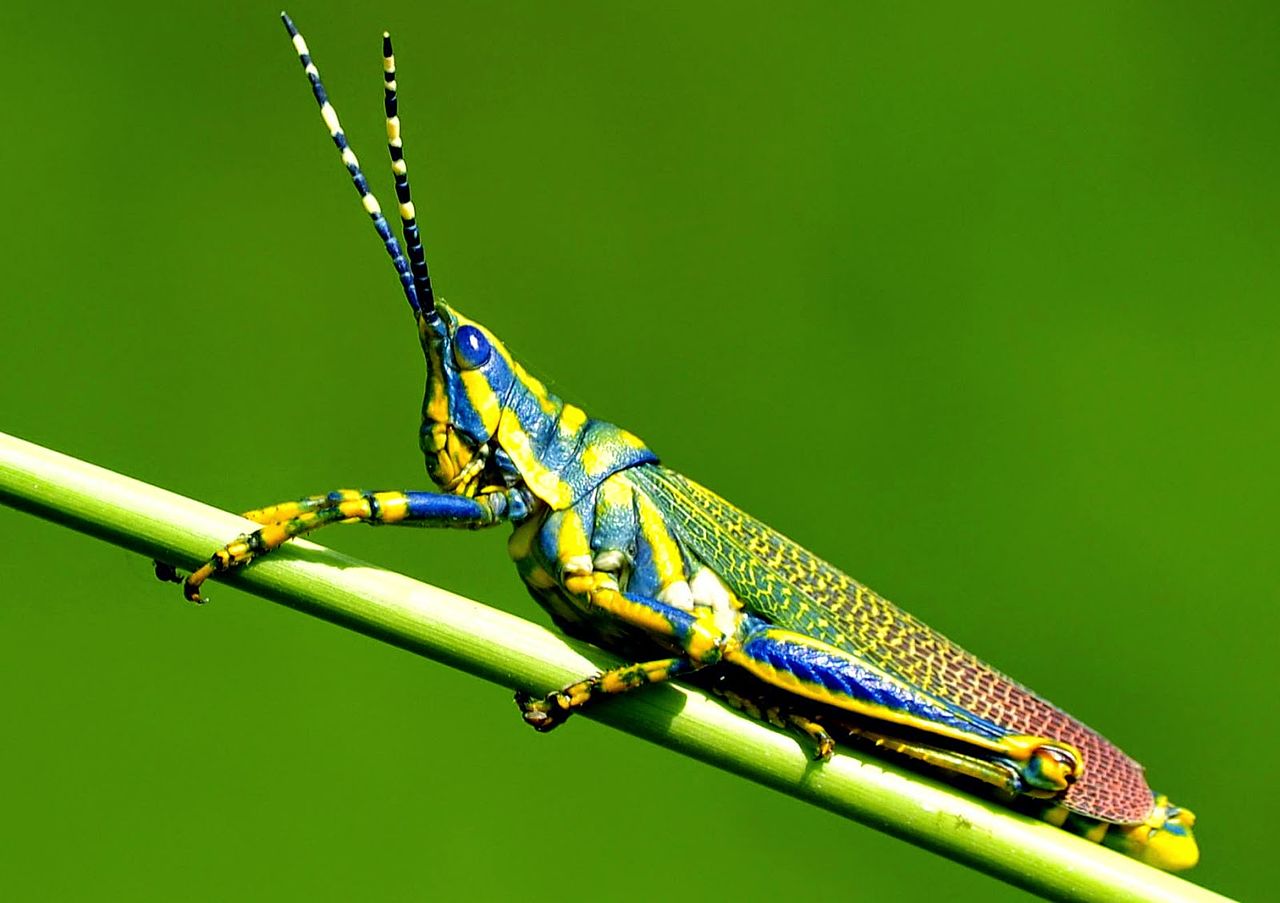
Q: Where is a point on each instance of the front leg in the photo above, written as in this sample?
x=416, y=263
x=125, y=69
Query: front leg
x=284, y=521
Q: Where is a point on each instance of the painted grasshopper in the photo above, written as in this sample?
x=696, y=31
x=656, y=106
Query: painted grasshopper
x=638, y=559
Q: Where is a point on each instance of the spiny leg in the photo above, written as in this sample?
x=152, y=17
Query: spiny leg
x=400, y=170
x=999, y=774
x=371, y=206
x=770, y=710
x=289, y=519
x=554, y=709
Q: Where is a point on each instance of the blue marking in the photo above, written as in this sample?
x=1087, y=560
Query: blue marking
x=680, y=620
x=644, y=574
x=846, y=676
x=442, y=507
x=547, y=543
x=617, y=528
x=526, y=407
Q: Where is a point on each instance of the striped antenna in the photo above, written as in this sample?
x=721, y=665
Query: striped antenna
x=400, y=169
x=370, y=202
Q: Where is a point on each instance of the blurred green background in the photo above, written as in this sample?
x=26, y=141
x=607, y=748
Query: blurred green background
x=979, y=304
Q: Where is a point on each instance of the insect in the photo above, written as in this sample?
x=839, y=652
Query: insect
x=638, y=559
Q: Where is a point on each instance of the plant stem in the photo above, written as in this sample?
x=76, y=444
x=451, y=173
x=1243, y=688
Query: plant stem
x=517, y=654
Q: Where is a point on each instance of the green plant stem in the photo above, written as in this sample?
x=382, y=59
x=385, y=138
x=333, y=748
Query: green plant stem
x=517, y=654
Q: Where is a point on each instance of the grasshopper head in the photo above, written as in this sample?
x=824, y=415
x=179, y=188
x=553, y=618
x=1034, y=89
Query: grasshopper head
x=470, y=377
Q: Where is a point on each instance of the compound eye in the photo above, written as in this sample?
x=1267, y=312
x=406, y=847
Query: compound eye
x=471, y=349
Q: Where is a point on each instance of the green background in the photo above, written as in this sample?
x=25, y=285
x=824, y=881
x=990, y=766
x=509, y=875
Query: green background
x=980, y=304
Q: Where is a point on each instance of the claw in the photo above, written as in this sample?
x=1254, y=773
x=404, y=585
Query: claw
x=191, y=586
x=543, y=714
x=235, y=554
x=824, y=745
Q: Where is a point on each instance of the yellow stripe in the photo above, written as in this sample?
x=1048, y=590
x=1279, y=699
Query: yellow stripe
x=481, y=396
x=394, y=506
x=272, y=536
x=572, y=419
x=705, y=637
x=354, y=508
x=437, y=401
x=545, y=484
x=595, y=460
x=633, y=613
x=571, y=539
x=614, y=494
x=667, y=561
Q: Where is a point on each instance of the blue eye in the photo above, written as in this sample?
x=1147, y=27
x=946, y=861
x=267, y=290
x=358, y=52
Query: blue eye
x=470, y=348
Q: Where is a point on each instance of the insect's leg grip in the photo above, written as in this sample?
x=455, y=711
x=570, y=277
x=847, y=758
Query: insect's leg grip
x=284, y=521
x=545, y=714
x=390, y=507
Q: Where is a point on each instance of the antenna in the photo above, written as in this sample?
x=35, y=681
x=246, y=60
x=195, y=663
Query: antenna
x=400, y=169
x=371, y=206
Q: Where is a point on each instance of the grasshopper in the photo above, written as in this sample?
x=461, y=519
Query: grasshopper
x=636, y=558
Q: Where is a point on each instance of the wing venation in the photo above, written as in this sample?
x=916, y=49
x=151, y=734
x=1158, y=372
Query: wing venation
x=785, y=583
